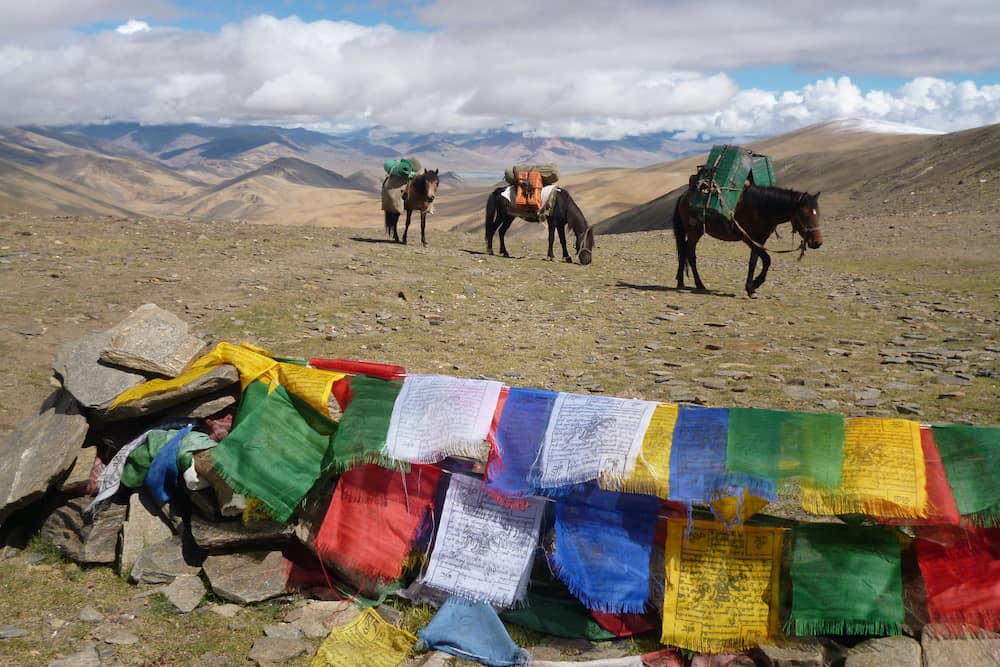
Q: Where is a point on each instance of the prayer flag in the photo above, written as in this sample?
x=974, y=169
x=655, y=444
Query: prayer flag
x=362, y=432
x=722, y=589
x=698, y=473
x=883, y=472
x=603, y=546
x=941, y=509
x=846, y=580
x=590, y=436
x=161, y=479
x=367, y=641
x=483, y=551
x=374, y=517
x=275, y=453
x=971, y=459
x=650, y=472
x=557, y=616
x=776, y=445
x=963, y=579
x=436, y=416
x=471, y=630
x=519, y=435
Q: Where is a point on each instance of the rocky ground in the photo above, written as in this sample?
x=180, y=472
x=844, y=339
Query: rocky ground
x=895, y=315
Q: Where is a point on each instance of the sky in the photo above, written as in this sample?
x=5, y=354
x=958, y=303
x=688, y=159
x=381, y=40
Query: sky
x=599, y=69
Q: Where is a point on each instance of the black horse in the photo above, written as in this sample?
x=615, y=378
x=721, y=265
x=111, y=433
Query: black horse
x=759, y=211
x=500, y=214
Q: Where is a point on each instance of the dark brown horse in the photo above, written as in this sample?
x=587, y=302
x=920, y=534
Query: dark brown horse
x=418, y=195
x=500, y=214
x=759, y=211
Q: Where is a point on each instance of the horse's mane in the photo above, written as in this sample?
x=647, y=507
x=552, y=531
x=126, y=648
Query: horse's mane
x=571, y=208
x=773, y=200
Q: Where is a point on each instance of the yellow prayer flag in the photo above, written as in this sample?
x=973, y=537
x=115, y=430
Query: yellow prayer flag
x=159, y=386
x=651, y=474
x=312, y=385
x=883, y=473
x=367, y=641
x=722, y=586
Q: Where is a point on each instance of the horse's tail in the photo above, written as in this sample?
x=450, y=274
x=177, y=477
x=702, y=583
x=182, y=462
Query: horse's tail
x=679, y=235
x=388, y=223
x=491, y=212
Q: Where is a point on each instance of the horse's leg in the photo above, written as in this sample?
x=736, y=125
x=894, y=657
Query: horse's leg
x=423, y=226
x=681, y=241
x=391, y=228
x=409, y=214
x=491, y=224
x=504, y=226
x=552, y=239
x=692, y=258
x=751, y=267
x=765, y=259
x=562, y=241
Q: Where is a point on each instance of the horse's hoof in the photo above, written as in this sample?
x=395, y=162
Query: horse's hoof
x=550, y=259
x=423, y=243
x=568, y=260
x=503, y=254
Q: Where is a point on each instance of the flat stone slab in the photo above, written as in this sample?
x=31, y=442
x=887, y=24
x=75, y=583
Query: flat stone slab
x=143, y=528
x=80, y=539
x=211, y=382
x=885, y=652
x=152, y=340
x=93, y=383
x=234, y=535
x=185, y=592
x=248, y=577
x=40, y=450
x=162, y=563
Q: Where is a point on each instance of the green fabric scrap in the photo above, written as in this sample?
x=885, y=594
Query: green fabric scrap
x=559, y=617
x=138, y=462
x=276, y=452
x=845, y=581
x=365, y=424
x=777, y=444
x=971, y=459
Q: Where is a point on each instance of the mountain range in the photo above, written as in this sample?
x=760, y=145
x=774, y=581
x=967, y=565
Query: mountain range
x=275, y=175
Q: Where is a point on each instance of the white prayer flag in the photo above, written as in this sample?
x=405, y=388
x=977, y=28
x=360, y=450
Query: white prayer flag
x=590, y=436
x=483, y=550
x=436, y=416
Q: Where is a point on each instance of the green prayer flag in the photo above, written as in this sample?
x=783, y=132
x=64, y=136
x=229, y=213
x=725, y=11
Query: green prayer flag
x=776, y=445
x=971, y=459
x=195, y=441
x=559, y=617
x=365, y=424
x=846, y=581
x=138, y=462
x=276, y=452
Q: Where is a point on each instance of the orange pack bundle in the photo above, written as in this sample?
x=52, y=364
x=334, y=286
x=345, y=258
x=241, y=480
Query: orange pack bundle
x=528, y=189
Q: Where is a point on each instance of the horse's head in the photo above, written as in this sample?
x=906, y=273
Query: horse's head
x=805, y=219
x=585, y=246
x=431, y=183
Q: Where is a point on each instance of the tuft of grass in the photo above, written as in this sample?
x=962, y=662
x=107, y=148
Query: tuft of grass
x=50, y=553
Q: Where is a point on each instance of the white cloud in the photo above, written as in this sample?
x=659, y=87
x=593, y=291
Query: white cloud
x=601, y=70
x=132, y=26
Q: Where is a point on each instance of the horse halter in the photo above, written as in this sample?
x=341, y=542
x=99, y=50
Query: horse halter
x=797, y=218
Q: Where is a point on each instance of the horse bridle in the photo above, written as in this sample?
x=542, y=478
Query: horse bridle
x=798, y=225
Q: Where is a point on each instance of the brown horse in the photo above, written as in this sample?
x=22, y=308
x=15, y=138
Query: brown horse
x=418, y=195
x=759, y=211
x=500, y=214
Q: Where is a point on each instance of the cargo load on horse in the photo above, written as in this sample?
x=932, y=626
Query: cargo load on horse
x=531, y=189
x=716, y=188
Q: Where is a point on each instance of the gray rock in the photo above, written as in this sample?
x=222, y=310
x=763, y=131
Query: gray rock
x=213, y=381
x=92, y=383
x=205, y=406
x=162, y=563
x=152, y=340
x=283, y=631
x=80, y=540
x=268, y=650
x=885, y=652
x=316, y=618
x=11, y=631
x=185, y=592
x=39, y=451
x=121, y=637
x=143, y=528
x=800, y=393
x=90, y=615
x=954, y=380
x=800, y=652
x=248, y=577
x=942, y=650
x=432, y=659
x=234, y=535
x=87, y=656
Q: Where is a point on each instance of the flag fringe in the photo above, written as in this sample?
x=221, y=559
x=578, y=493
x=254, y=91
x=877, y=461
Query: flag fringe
x=818, y=627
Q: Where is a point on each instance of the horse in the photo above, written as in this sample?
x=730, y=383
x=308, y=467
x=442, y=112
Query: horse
x=500, y=214
x=758, y=213
x=418, y=195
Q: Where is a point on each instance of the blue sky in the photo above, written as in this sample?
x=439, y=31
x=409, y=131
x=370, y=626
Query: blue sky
x=598, y=69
